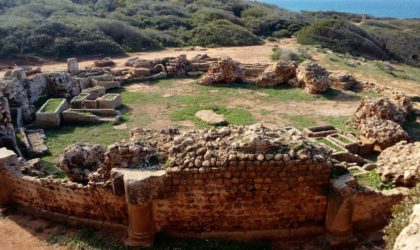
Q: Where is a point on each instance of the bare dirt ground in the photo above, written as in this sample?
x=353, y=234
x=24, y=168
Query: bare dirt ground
x=23, y=232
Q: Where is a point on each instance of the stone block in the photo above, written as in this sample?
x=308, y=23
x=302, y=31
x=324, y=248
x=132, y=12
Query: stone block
x=46, y=117
x=109, y=101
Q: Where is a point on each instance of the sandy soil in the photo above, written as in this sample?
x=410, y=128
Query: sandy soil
x=244, y=54
x=19, y=232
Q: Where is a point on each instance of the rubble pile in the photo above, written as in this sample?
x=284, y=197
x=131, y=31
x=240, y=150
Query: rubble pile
x=342, y=80
x=79, y=160
x=224, y=71
x=383, y=133
x=381, y=109
x=400, y=164
x=275, y=74
x=313, y=78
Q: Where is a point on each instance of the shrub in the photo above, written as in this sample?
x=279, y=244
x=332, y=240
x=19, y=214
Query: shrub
x=342, y=36
x=282, y=34
x=127, y=36
x=223, y=33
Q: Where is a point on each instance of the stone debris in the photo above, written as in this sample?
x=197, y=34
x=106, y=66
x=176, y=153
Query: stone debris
x=383, y=133
x=224, y=71
x=17, y=96
x=62, y=84
x=381, y=109
x=409, y=238
x=106, y=62
x=278, y=73
x=400, y=164
x=33, y=167
x=313, y=78
x=342, y=80
x=399, y=97
x=79, y=160
x=210, y=117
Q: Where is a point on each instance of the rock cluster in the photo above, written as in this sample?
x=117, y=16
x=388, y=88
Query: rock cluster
x=106, y=62
x=342, y=80
x=79, y=160
x=62, y=84
x=397, y=96
x=234, y=145
x=14, y=90
x=313, y=77
x=380, y=109
x=383, y=133
x=400, y=164
x=275, y=74
x=224, y=71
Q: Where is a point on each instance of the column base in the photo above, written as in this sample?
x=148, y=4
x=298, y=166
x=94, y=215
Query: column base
x=341, y=240
x=140, y=240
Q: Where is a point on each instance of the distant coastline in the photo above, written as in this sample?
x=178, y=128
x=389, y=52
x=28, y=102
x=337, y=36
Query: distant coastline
x=377, y=8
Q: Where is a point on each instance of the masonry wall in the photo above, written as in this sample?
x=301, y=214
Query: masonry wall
x=90, y=202
x=246, y=196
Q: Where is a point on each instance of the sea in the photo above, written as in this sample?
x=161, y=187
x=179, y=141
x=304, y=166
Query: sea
x=378, y=8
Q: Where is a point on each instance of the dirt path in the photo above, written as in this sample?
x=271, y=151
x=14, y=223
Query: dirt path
x=21, y=232
x=244, y=54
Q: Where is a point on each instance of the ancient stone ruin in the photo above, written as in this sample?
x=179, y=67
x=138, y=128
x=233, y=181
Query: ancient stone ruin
x=234, y=182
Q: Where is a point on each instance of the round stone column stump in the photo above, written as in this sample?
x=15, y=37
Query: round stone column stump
x=141, y=230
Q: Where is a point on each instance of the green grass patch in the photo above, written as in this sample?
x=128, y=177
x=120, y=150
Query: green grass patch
x=300, y=122
x=52, y=105
x=330, y=144
x=342, y=139
x=373, y=180
x=59, y=138
x=236, y=116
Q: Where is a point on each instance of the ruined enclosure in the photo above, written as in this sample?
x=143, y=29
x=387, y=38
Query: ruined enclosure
x=242, y=183
x=233, y=182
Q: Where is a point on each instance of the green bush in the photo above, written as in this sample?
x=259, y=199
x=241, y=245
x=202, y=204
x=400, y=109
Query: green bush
x=223, y=33
x=342, y=36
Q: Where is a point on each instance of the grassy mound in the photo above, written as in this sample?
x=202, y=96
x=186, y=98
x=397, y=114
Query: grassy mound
x=342, y=36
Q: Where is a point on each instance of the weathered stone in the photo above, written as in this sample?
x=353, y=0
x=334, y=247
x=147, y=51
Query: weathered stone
x=275, y=74
x=400, y=164
x=211, y=117
x=79, y=157
x=342, y=80
x=409, y=238
x=382, y=133
x=381, y=108
x=224, y=71
x=313, y=78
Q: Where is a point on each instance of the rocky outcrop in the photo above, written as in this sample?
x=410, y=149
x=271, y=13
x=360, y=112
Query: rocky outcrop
x=382, y=133
x=224, y=71
x=313, y=78
x=342, y=80
x=409, y=238
x=400, y=164
x=79, y=160
x=275, y=74
x=14, y=91
x=380, y=109
x=398, y=97
x=211, y=117
x=62, y=84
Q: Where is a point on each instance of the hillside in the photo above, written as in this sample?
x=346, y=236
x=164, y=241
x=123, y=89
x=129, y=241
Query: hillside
x=59, y=28
x=62, y=28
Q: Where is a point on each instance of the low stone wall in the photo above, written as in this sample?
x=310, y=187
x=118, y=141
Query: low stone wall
x=94, y=202
x=246, y=197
